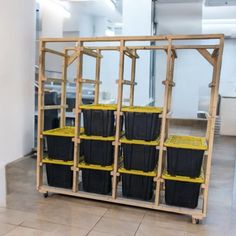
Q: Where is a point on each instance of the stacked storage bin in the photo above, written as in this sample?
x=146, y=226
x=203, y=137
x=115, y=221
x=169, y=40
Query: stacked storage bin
x=60, y=156
x=99, y=131
x=142, y=129
x=184, y=163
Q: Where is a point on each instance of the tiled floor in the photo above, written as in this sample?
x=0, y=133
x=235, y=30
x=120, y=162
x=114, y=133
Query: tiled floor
x=28, y=213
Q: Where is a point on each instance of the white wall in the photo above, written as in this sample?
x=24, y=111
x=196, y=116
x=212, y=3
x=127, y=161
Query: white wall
x=228, y=71
x=17, y=24
x=179, y=18
x=191, y=70
x=137, y=21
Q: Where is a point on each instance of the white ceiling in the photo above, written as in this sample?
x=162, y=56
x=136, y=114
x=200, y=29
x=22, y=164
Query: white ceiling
x=97, y=8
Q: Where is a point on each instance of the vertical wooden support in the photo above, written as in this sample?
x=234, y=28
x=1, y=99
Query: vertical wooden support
x=63, y=91
x=133, y=68
x=77, y=116
x=214, y=100
x=41, y=80
x=170, y=90
x=211, y=98
x=97, y=78
x=163, y=123
x=118, y=118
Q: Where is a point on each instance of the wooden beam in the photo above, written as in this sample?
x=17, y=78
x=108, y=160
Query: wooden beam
x=72, y=58
x=78, y=101
x=39, y=169
x=130, y=53
x=54, y=52
x=127, y=82
x=133, y=71
x=53, y=107
x=195, y=46
x=215, y=52
x=118, y=119
x=63, y=90
x=56, y=80
x=135, y=38
x=90, y=52
x=89, y=81
x=207, y=56
x=97, y=78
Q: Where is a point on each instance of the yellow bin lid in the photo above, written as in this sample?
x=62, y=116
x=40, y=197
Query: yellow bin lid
x=98, y=138
x=109, y=107
x=67, y=131
x=198, y=180
x=138, y=172
x=84, y=165
x=147, y=109
x=140, y=142
x=186, y=142
x=57, y=162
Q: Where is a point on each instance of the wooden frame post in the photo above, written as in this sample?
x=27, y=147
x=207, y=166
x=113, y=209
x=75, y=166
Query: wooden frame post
x=163, y=122
x=41, y=81
x=118, y=119
x=63, y=90
x=77, y=111
x=211, y=127
x=97, y=78
x=133, y=68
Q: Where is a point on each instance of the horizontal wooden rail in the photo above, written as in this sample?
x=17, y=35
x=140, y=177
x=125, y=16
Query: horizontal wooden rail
x=135, y=38
x=127, y=82
x=56, y=80
x=89, y=81
x=53, y=107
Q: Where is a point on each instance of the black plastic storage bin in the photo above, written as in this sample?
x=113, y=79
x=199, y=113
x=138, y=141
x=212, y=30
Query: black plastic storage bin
x=139, y=155
x=185, y=155
x=99, y=120
x=182, y=191
x=51, y=120
x=97, y=179
x=60, y=144
x=142, y=123
x=135, y=184
x=59, y=176
x=98, y=150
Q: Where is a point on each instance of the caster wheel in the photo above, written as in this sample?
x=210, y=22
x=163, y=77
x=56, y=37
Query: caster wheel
x=195, y=221
x=45, y=195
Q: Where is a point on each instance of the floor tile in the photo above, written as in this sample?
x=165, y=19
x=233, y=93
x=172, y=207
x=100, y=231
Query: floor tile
x=116, y=227
x=5, y=228
x=22, y=231
x=125, y=213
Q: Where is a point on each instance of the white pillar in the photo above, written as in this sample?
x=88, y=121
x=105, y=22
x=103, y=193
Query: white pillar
x=17, y=24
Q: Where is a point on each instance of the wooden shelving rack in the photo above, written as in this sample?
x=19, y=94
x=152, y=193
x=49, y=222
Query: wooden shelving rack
x=210, y=52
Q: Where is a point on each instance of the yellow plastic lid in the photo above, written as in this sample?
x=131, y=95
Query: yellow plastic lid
x=99, y=138
x=83, y=165
x=67, y=131
x=198, y=180
x=57, y=162
x=137, y=172
x=110, y=107
x=140, y=142
x=186, y=142
x=147, y=109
